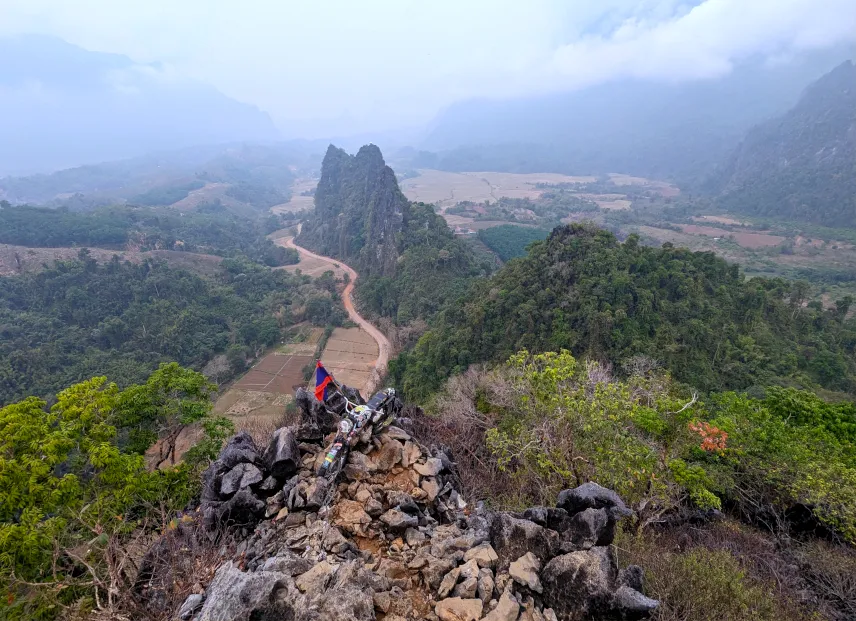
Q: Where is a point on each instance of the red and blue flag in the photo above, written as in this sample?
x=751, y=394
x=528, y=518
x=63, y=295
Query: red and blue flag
x=322, y=381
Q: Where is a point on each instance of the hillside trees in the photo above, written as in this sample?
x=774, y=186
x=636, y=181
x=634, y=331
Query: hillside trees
x=210, y=229
x=74, y=492
x=799, y=166
x=584, y=291
x=78, y=319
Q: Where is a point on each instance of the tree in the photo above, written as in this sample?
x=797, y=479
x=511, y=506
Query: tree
x=159, y=410
x=70, y=495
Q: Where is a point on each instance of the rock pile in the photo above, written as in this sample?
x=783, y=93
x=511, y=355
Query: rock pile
x=397, y=542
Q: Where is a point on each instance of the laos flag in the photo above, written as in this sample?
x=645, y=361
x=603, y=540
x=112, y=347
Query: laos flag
x=322, y=381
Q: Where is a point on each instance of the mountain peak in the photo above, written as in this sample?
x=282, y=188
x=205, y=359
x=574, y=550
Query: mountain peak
x=800, y=165
x=359, y=210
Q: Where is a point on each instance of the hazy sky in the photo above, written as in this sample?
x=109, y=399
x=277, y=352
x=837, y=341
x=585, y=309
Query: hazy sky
x=371, y=64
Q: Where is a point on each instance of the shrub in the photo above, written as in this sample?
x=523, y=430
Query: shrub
x=542, y=423
x=703, y=585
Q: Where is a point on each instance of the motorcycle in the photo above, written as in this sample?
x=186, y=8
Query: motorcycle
x=380, y=412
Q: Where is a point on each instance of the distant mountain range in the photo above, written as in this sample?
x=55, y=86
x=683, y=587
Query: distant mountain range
x=801, y=165
x=63, y=106
x=241, y=173
x=678, y=131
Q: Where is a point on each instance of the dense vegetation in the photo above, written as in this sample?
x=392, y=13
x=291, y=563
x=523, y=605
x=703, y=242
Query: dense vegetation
x=433, y=269
x=584, y=291
x=800, y=166
x=210, y=229
x=79, y=319
x=509, y=241
x=548, y=420
x=78, y=501
x=167, y=194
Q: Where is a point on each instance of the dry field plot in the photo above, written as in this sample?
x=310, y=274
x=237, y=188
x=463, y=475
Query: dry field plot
x=747, y=240
x=350, y=356
x=719, y=220
x=615, y=203
x=446, y=189
x=661, y=187
x=304, y=348
x=279, y=373
x=313, y=267
x=477, y=225
x=298, y=202
x=308, y=265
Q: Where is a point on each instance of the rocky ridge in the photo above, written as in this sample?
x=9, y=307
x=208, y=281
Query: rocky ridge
x=396, y=541
x=359, y=211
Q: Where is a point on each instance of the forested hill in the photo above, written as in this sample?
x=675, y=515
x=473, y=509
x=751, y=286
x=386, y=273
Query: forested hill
x=409, y=261
x=802, y=165
x=692, y=312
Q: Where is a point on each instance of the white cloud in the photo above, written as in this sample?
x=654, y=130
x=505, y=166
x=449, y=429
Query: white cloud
x=382, y=63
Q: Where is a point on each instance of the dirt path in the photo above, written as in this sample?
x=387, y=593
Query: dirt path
x=382, y=342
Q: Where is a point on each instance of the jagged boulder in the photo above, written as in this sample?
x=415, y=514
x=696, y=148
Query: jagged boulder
x=390, y=537
x=241, y=476
x=239, y=449
x=282, y=456
x=592, y=496
x=513, y=537
x=243, y=596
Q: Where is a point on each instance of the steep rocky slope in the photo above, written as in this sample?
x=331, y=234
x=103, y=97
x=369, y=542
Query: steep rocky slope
x=803, y=164
x=395, y=540
x=359, y=211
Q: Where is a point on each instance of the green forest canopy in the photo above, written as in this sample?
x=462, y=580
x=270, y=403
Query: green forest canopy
x=79, y=319
x=509, y=241
x=694, y=313
x=76, y=491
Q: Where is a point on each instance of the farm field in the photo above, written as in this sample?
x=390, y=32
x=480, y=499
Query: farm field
x=476, y=225
x=446, y=189
x=298, y=202
x=747, y=240
x=350, y=356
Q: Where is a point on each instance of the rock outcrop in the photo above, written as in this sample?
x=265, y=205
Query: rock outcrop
x=359, y=210
x=395, y=540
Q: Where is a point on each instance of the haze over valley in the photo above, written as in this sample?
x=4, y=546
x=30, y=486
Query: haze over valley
x=603, y=252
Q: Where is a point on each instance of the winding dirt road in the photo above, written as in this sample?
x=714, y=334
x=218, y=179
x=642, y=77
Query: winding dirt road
x=347, y=297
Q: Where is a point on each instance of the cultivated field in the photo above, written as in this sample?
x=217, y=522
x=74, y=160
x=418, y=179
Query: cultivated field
x=476, y=225
x=613, y=203
x=747, y=240
x=720, y=220
x=298, y=202
x=350, y=355
x=661, y=187
x=276, y=372
x=446, y=189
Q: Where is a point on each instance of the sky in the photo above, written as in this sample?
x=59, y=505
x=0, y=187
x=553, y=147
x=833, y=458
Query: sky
x=327, y=66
